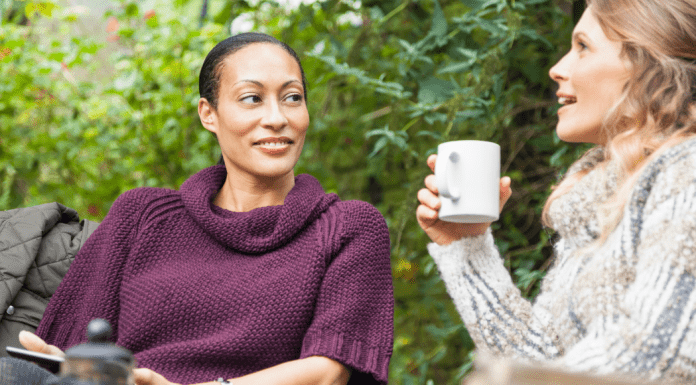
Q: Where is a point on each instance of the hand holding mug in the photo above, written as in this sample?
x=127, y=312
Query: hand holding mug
x=466, y=212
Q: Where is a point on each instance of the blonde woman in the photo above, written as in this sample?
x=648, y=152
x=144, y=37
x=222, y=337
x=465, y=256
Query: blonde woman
x=621, y=296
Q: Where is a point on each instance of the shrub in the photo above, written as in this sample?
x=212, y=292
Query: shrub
x=83, y=120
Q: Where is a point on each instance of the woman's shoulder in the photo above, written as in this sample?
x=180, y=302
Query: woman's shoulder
x=673, y=167
x=138, y=199
x=357, y=231
x=669, y=176
x=348, y=212
x=361, y=220
x=359, y=213
x=675, y=159
x=348, y=219
x=358, y=206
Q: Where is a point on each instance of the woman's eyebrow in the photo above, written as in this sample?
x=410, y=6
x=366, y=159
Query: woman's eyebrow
x=578, y=35
x=258, y=83
x=290, y=82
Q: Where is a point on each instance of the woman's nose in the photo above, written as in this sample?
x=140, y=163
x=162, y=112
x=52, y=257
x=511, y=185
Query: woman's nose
x=559, y=71
x=274, y=117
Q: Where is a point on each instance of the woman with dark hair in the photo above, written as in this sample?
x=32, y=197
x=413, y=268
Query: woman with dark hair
x=621, y=296
x=247, y=272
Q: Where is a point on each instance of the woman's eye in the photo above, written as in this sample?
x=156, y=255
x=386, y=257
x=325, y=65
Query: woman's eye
x=582, y=46
x=294, y=98
x=251, y=99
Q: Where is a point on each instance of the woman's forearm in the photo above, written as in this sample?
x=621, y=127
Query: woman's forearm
x=497, y=317
x=314, y=370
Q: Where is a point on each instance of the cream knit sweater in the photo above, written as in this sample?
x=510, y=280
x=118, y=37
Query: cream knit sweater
x=626, y=306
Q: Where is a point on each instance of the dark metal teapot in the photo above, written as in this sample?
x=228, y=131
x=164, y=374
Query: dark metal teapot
x=98, y=362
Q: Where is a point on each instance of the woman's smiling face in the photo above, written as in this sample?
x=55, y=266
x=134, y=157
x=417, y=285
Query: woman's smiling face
x=261, y=117
x=591, y=77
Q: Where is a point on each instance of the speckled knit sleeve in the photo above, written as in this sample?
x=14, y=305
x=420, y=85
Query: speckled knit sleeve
x=628, y=305
x=497, y=317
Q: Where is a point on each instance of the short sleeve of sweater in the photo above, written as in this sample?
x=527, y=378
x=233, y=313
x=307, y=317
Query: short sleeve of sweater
x=90, y=289
x=354, y=316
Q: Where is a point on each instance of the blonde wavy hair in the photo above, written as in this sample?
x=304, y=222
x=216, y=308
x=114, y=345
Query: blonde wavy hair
x=656, y=109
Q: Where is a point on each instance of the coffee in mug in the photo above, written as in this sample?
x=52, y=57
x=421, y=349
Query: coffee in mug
x=467, y=174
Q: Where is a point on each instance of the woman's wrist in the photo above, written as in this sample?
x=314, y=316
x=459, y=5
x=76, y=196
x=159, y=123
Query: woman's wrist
x=475, y=230
x=465, y=231
x=469, y=241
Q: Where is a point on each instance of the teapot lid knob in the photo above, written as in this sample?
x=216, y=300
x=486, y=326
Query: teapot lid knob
x=98, y=330
x=99, y=348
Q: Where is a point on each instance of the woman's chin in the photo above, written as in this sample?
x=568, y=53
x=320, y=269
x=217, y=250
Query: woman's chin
x=575, y=134
x=273, y=173
x=564, y=134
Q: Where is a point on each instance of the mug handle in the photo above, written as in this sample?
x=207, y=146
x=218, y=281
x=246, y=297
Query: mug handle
x=443, y=170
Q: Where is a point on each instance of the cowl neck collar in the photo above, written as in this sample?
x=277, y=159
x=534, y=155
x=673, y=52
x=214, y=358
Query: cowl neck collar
x=260, y=230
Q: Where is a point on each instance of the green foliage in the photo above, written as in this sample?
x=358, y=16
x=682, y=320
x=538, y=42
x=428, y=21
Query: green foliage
x=83, y=119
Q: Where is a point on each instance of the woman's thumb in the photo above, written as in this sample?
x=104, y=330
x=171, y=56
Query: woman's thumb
x=32, y=342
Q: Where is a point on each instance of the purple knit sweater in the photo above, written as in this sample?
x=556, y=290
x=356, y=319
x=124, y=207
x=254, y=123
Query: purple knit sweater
x=198, y=292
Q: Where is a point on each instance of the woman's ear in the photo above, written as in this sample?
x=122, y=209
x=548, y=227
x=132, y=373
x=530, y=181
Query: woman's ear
x=207, y=115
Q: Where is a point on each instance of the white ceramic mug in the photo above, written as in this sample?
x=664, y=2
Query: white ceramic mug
x=467, y=174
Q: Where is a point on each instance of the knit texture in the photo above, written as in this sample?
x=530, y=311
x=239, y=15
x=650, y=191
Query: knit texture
x=626, y=306
x=198, y=292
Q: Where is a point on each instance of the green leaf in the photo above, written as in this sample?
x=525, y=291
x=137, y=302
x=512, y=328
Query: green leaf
x=434, y=90
x=132, y=9
x=380, y=131
x=56, y=56
x=14, y=43
x=381, y=143
x=544, y=143
x=478, y=4
x=556, y=157
x=89, y=47
x=43, y=8
x=7, y=182
x=439, y=23
x=435, y=117
x=432, y=134
x=457, y=67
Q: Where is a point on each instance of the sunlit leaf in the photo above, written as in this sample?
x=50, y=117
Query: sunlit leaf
x=439, y=23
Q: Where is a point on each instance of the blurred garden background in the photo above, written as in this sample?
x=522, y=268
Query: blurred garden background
x=97, y=98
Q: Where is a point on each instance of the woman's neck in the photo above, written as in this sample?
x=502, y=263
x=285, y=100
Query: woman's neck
x=248, y=192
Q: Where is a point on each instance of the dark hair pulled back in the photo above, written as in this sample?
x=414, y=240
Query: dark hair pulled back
x=209, y=78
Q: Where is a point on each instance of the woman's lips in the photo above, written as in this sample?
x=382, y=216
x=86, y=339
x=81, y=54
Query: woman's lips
x=566, y=101
x=564, y=107
x=273, y=147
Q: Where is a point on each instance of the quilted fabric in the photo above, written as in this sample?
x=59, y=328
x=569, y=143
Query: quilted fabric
x=37, y=245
